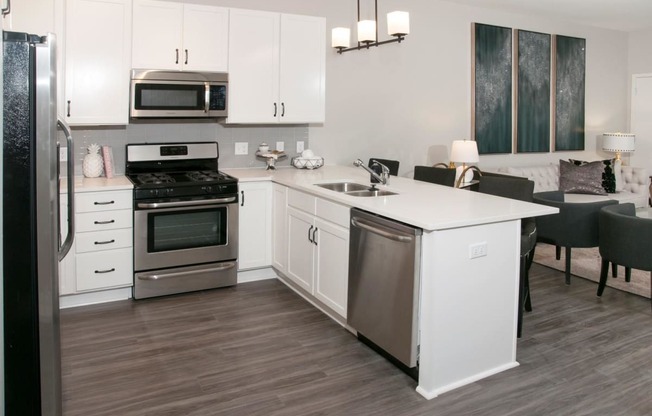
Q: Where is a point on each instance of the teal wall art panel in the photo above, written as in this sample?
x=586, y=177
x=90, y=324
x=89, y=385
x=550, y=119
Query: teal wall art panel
x=533, y=92
x=492, y=94
x=570, y=67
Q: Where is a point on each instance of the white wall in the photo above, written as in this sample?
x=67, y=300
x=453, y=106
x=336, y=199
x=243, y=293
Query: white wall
x=396, y=101
x=403, y=101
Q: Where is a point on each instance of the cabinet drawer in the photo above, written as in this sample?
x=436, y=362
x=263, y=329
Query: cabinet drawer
x=103, y=201
x=104, y=269
x=335, y=213
x=301, y=200
x=103, y=240
x=104, y=220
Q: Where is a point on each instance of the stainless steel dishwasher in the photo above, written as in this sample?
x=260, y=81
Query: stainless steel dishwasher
x=384, y=265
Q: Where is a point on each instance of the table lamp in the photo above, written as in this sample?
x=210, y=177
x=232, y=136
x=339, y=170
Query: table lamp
x=465, y=151
x=618, y=143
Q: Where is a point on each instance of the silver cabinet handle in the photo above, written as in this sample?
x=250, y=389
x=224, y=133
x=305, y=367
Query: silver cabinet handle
x=104, y=203
x=97, y=243
x=7, y=10
x=67, y=244
x=105, y=271
x=360, y=223
x=103, y=222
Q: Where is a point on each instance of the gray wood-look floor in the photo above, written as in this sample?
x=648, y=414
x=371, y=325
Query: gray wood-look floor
x=259, y=349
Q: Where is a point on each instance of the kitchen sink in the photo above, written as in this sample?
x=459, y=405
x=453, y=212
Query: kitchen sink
x=355, y=189
x=344, y=186
x=371, y=192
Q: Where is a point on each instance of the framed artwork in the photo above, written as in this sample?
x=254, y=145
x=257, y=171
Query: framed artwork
x=533, y=92
x=492, y=88
x=570, y=68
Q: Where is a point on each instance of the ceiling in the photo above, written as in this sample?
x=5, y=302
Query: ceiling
x=624, y=15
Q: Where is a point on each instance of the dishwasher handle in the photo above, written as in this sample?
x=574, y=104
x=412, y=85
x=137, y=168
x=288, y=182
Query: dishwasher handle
x=381, y=231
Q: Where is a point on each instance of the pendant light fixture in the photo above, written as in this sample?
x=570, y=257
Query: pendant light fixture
x=398, y=25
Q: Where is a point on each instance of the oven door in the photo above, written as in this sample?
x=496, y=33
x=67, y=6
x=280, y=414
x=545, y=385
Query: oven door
x=181, y=233
x=170, y=99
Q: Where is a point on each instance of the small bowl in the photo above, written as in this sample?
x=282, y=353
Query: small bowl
x=263, y=148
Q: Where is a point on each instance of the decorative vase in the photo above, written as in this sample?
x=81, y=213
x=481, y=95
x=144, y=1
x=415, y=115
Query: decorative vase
x=93, y=164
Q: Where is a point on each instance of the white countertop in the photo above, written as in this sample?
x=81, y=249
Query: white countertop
x=425, y=205
x=83, y=184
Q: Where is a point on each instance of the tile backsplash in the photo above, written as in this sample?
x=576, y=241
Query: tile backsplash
x=163, y=131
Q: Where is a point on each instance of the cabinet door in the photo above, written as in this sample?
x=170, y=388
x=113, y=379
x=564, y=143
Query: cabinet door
x=253, y=66
x=255, y=219
x=302, y=71
x=301, y=248
x=332, y=265
x=157, y=35
x=279, y=228
x=205, y=38
x=97, y=61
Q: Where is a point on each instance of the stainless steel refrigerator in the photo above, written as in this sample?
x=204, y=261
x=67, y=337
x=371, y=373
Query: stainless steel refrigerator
x=31, y=243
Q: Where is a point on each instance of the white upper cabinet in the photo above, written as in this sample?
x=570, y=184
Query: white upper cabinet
x=97, y=62
x=302, y=74
x=276, y=68
x=177, y=36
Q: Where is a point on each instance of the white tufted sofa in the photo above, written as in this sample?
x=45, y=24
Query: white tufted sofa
x=546, y=178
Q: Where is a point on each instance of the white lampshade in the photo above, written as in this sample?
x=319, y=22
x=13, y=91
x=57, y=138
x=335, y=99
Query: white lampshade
x=618, y=142
x=464, y=151
x=398, y=23
x=367, y=31
x=341, y=37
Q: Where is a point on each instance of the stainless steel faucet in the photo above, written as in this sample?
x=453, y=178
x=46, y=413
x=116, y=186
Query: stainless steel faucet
x=384, y=171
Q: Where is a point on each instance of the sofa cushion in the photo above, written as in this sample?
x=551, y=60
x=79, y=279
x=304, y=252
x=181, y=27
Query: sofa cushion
x=608, y=173
x=584, y=179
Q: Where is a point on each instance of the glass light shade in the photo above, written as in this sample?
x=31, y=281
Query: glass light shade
x=618, y=142
x=341, y=37
x=464, y=151
x=398, y=23
x=367, y=31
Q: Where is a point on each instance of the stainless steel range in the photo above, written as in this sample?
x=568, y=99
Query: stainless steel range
x=185, y=219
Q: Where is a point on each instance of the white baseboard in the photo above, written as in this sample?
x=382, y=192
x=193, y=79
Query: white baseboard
x=254, y=275
x=102, y=296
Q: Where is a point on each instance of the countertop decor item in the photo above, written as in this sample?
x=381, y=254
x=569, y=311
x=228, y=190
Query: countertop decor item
x=464, y=152
x=271, y=157
x=93, y=163
x=314, y=162
x=398, y=25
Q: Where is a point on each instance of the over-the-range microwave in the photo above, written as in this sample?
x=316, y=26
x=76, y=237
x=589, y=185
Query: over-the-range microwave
x=178, y=94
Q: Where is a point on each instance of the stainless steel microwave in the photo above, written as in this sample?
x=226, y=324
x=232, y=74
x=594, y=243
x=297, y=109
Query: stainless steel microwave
x=178, y=94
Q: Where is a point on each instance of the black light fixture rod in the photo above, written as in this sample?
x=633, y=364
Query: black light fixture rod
x=398, y=38
x=357, y=22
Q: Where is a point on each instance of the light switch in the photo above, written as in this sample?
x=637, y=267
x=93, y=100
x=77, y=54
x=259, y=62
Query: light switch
x=280, y=146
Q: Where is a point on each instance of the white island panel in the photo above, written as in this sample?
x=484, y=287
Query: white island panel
x=468, y=311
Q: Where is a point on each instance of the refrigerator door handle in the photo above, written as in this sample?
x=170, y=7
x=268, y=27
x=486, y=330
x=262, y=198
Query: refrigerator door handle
x=67, y=244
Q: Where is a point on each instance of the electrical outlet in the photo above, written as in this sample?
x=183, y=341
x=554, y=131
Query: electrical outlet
x=280, y=146
x=241, y=148
x=478, y=250
x=300, y=146
x=63, y=154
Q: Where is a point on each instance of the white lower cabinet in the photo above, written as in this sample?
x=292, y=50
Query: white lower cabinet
x=255, y=225
x=318, y=248
x=103, y=241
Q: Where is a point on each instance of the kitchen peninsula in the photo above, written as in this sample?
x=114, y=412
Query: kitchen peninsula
x=467, y=306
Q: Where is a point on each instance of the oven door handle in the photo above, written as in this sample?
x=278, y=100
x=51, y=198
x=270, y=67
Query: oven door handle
x=213, y=201
x=224, y=266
